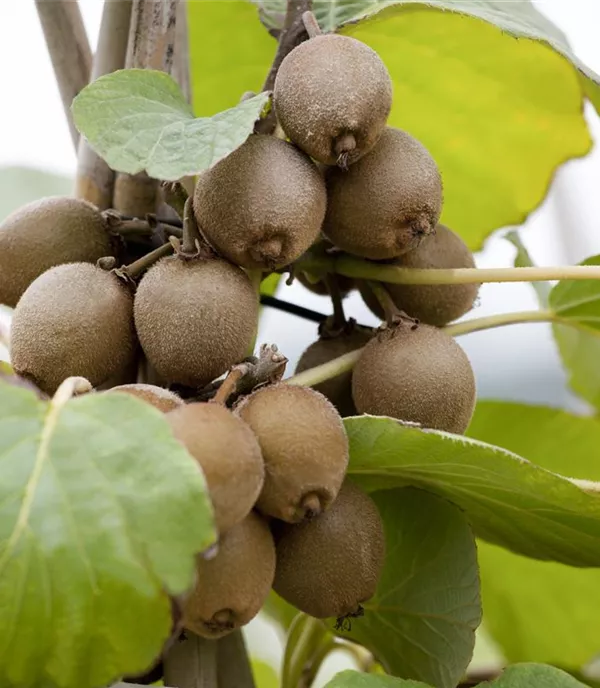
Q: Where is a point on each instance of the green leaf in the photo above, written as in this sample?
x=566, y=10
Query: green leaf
x=21, y=185
x=508, y=500
x=577, y=332
x=138, y=120
x=533, y=676
x=421, y=622
x=354, y=679
x=230, y=53
x=523, y=260
x=101, y=514
x=525, y=600
x=472, y=93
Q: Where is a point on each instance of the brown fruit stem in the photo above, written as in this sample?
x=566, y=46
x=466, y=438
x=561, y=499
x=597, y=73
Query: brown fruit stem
x=135, y=227
x=192, y=239
x=339, y=317
x=311, y=24
x=268, y=368
x=391, y=312
x=191, y=663
x=175, y=195
x=135, y=269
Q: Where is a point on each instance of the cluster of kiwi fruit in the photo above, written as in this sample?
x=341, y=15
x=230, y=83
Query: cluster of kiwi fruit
x=334, y=178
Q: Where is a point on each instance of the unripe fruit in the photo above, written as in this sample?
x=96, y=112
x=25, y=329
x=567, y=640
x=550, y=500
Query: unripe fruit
x=263, y=205
x=232, y=587
x=418, y=374
x=46, y=233
x=329, y=566
x=434, y=304
x=386, y=203
x=337, y=389
x=195, y=318
x=74, y=320
x=304, y=446
x=332, y=96
x=162, y=399
x=229, y=455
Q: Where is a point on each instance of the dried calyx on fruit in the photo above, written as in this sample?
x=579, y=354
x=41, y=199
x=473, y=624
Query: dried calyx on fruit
x=386, y=203
x=232, y=587
x=415, y=373
x=74, y=320
x=304, y=446
x=46, y=233
x=195, y=318
x=159, y=397
x=434, y=304
x=331, y=345
x=332, y=96
x=329, y=566
x=229, y=455
x=263, y=205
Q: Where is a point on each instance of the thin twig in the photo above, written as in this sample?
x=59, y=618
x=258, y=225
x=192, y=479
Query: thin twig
x=69, y=50
x=311, y=25
x=95, y=179
x=233, y=664
x=135, y=269
x=339, y=317
x=151, y=46
x=343, y=264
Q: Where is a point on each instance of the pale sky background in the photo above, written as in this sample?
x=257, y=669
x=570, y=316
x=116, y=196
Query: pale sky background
x=565, y=230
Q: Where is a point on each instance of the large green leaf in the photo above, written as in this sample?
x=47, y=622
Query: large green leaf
x=101, y=514
x=230, y=53
x=354, y=679
x=577, y=332
x=540, y=611
x=139, y=120
x=508, y=500
x=498, y=114
x=421, y=622
x=533, y=676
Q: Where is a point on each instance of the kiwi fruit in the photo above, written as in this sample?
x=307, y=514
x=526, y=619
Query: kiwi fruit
x=319, y=287
x=304, y=446
x=415, y=373
x=160, y=398
x=263, y=205
x=434, y=304
x=387, y=202
x=229, y=455
x=232, y=587
x=329, y=566
x=332, y=97
x=337, y=389
x=73, y=320
x=195, y=318
x=46, y=233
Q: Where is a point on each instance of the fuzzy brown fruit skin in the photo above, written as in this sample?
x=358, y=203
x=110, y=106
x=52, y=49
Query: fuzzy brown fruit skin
x=329, y=566
x=45, y=233
x=434, y=304
x=387, y=202
x=420, y=375
x=337, y=389
x=304, y=446
x=345, y=284
x=332, y=96
x=229, y=455
x=232, y=587
x=195, y=318
x=262, y=206
x=74, y=320
x=159, y=397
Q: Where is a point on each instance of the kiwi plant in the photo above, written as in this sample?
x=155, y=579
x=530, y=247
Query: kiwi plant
x=274, y=452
